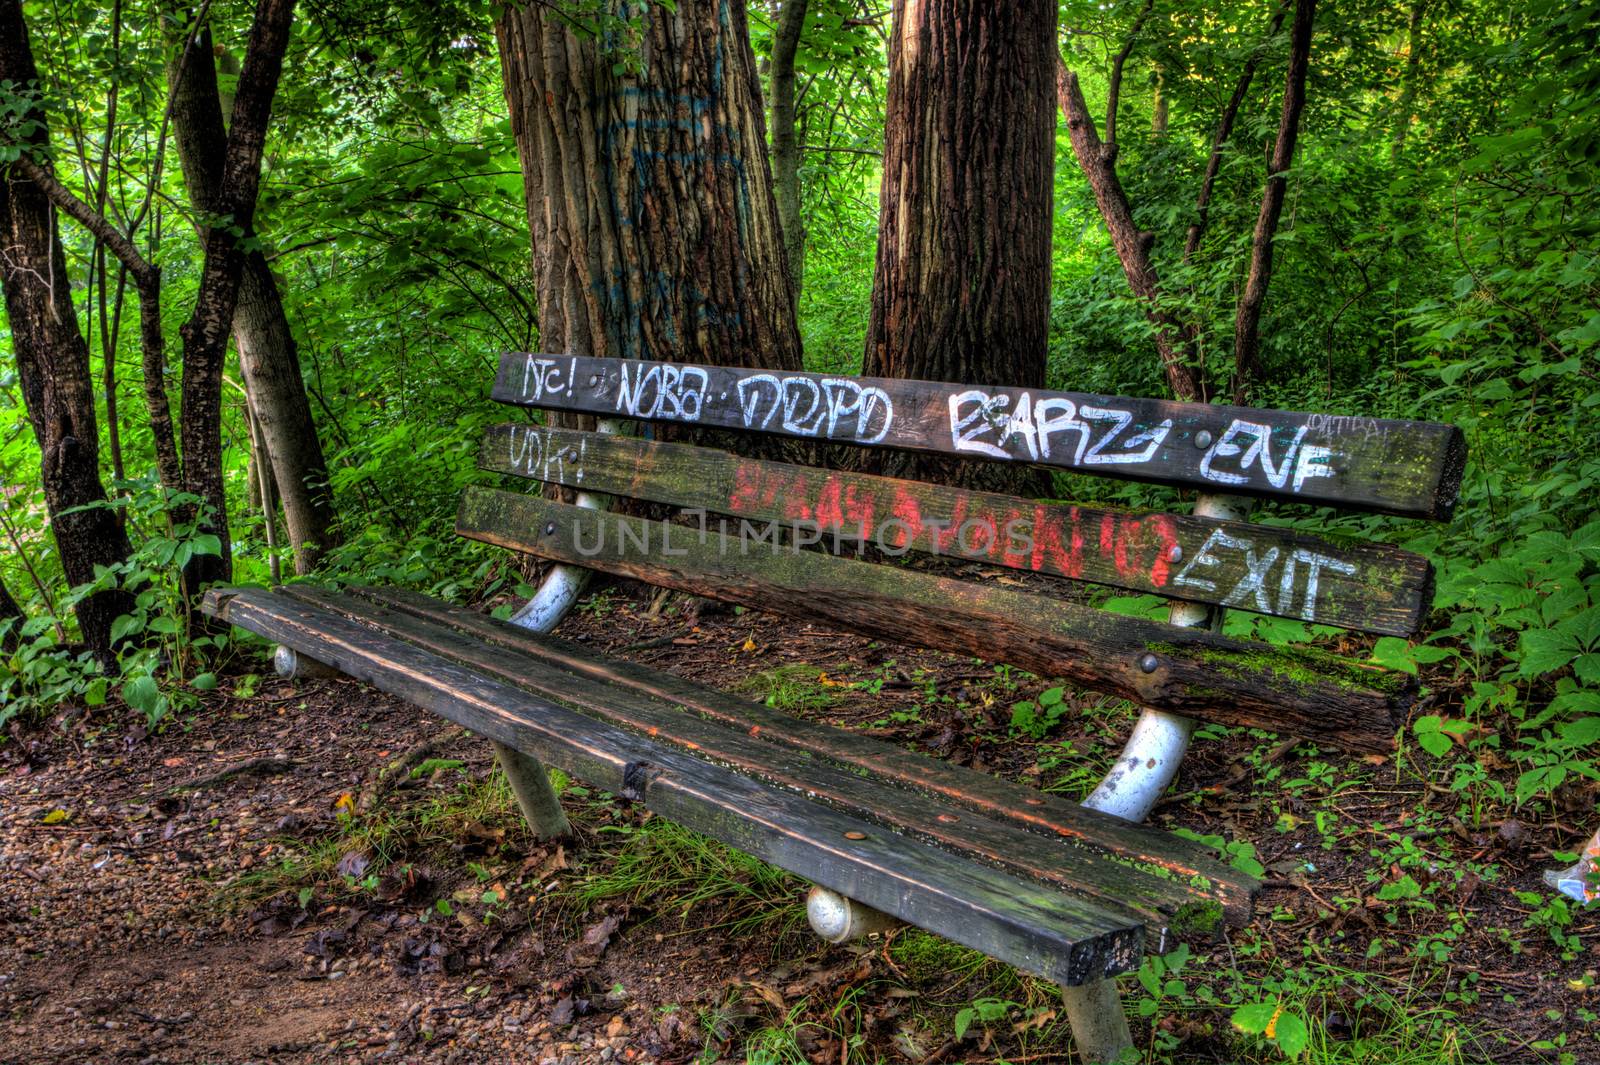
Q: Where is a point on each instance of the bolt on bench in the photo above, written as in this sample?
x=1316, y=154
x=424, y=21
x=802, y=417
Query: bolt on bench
x=1075, y=893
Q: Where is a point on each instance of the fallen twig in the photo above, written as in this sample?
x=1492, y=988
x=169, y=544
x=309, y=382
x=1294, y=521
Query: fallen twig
x=392, y=774
x=266, y=765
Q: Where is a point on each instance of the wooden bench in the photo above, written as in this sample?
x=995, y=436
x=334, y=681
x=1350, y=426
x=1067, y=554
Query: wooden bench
x=1075, y=893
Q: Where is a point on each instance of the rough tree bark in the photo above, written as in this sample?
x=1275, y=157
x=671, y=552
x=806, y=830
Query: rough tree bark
x=53, y=363
x=205, y=334
x=961, y=290
x=1247, y=319
x=655, y=232
x=785, y=137
x=268, y=357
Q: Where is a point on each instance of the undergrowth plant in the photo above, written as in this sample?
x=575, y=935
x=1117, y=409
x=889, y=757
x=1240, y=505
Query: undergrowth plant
x=161, y=658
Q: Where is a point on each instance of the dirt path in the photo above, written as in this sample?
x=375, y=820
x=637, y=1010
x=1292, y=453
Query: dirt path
x=143, y=922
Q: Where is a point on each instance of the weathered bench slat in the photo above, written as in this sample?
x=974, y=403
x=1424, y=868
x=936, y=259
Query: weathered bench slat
x=752, y=751
x=1187, y=671
x=994, y=797
x=1064, y=938
x=1389, y=466
x=1258, y=568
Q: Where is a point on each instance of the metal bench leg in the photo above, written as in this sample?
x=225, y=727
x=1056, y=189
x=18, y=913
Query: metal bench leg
x=1135, y=783
x=555, y=597
x=530, y=783
x=292, y=665
x=839, y=919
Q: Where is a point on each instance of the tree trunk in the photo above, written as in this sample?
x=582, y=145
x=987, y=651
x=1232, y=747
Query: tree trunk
x=53, y=365
x=205, y=334
x=1247, y=319
x=9, y=612
x=655, y=232
x=1408, y=86
x=268, y=358
x=961, y=290
x=785, y=137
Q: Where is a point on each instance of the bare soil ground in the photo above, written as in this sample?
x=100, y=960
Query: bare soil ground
x=145, y=920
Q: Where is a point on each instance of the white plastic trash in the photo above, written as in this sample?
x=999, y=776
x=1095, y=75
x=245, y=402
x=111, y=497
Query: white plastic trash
x=1582, y=882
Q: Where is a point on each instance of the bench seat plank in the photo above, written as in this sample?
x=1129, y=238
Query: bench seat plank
x=992, y=797
x=1408, y=468
x=1259, y=568
x=1188, y=671
x=1060, y=936
x=1154, y=892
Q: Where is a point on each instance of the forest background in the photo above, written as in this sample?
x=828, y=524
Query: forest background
x=336, y=190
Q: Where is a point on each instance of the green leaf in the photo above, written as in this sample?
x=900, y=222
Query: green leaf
x=142, y=693
x=1545, y=650
x=1291, y=1033
x=205, y=682
x=1580, y=733
x=1404, y=888
x=124, y=625
x=1255, y=1017
x=1394, y=653
x=964, y=1019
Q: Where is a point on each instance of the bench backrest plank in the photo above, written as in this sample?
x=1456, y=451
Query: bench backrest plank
x=1189, y=671
x=1260, y=568
x=1389, y=466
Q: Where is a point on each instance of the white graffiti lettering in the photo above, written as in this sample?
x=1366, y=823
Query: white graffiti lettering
x=835, y=408
x=546, y=377
x=975, y=413
x=1305, y=462
x=1253, y=590
x=662, y=390
x=533, y=452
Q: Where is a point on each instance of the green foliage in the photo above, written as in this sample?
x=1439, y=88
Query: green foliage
x=160, y=660
x=1036, y=717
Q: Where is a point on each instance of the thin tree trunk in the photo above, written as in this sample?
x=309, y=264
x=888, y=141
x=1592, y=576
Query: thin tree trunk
x=147, y=280
x=961, y=289
x=108, y=354
x=1161, y=115
x=1230, y=113
x=1247, y=319
x=9, y=611
x=785, y=137
x=269, y=360
x=1408, y=87
x=655, y=231
x=1174, y=338
x=53, y=364
x=205, y=334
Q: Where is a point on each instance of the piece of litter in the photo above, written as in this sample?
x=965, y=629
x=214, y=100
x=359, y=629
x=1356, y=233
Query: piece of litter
x=1580, y=883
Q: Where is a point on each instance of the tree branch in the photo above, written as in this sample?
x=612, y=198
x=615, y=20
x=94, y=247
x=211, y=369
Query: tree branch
x=1115, y=90
x=147, y=282
x=1174, y=340
x=1202, y=202
x=102, y=230
x=1247, y=322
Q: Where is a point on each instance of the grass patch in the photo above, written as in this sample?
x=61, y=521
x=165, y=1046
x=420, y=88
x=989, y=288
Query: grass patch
x=671, y=869
x=793, y=688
